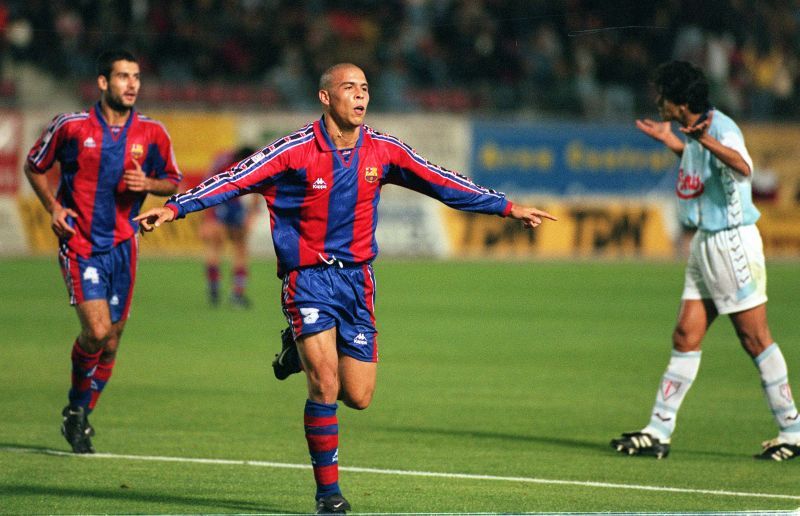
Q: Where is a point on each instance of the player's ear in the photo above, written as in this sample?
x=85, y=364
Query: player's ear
x=324, y=97
x=102, y=82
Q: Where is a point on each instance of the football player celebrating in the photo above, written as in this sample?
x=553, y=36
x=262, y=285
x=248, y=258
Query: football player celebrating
x=322, y=185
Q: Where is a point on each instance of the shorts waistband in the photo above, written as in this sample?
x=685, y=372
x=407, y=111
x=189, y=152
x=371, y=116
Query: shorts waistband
x=333, y=261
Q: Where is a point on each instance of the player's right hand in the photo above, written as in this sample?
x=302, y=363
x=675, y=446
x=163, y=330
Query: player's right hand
x=657, y=130
x=153, y=218
x=59, y=223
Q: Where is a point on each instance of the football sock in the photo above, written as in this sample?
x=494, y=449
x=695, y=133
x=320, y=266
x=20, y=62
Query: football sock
x=675, y=383
x=212, y=275
x=101, y=375
x=83, y=368
x=239, y=281
x=775, y=381
x=322, y=434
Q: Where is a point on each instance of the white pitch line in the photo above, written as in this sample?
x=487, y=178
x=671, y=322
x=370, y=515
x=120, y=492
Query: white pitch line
x=402, y=472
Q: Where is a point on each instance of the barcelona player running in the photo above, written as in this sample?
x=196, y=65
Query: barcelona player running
x=322, y=185
x=110, y=158
x=725, y=273
x=229, y=221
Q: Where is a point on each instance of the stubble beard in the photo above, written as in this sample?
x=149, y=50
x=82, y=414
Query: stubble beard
x=116, y=104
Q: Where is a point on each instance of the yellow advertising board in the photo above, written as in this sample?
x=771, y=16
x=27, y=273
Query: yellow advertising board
x=198, y=138
x=780, y=231
x=585, y=229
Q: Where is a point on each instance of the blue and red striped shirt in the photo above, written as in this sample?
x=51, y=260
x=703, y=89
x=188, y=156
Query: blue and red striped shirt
x=323, y=201
x=93, y=157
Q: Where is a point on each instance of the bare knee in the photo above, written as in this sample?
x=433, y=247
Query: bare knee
x=358, y=401
x=754, y=343
x=323, y=387
x=685, y=341
x=96, y=335
x=752, y=329
x=110, y=349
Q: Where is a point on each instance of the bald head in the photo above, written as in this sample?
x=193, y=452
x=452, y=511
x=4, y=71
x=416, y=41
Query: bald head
x=344, y=95
x=326, y=79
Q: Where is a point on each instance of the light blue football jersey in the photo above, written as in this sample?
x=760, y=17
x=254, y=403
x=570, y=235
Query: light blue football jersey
x=711, y=195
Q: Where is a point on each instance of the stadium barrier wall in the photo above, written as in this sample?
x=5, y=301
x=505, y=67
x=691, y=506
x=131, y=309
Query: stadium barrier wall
x=618, y=228
x=611, y=190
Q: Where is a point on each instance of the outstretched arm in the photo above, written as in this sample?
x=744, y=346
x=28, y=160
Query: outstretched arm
x=530, y=217
x=661, y=131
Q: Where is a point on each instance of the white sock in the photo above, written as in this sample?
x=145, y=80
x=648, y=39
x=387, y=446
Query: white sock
x=775, y=381
x=675, y=383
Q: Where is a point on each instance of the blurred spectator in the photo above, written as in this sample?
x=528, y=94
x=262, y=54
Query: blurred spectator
x=580, y=57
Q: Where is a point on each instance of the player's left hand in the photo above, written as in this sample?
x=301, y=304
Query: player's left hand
x=699, y=130
x=135, y=179
x=530, y=217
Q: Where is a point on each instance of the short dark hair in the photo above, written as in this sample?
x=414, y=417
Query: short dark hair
x=682, y=83
x=107, y=59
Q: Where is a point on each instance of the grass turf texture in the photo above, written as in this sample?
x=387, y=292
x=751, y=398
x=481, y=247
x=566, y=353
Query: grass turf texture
x=503, y=369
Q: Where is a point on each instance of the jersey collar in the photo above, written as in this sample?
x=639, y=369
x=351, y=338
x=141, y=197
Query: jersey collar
x=324, y=139
x=96, y=116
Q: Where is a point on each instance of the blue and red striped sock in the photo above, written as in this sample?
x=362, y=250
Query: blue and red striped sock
x=101, y=375
x=322, y=434
x=83, y=368
x=212, y=276
x=239, y=280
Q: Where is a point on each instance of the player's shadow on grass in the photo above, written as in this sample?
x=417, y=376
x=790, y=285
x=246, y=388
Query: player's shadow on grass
x=476, y=434
x=10, y=447
x=600, y=447
x=133, y=496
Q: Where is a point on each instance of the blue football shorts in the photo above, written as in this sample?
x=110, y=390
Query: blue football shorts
x=108, y=276
x=315, y=299
x=231, y=213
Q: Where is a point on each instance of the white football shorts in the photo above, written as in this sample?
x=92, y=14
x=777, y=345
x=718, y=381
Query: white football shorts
x=727, y=267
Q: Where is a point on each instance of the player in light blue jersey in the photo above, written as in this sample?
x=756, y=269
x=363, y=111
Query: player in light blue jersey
x=725, y=273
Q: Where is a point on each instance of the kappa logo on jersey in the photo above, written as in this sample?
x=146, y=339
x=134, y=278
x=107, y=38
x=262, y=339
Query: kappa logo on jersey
x=689, y=186
x=89, y=143
x=371, y=174
x=670, y=388
x=91, y=274
x=320, y=184
x=137, y=151
x=310, y=315
x=360, y=340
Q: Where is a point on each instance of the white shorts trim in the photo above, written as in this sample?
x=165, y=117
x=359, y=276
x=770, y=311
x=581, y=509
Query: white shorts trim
x=727, y=267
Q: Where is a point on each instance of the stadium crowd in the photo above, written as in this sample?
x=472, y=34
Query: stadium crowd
x=577, y=57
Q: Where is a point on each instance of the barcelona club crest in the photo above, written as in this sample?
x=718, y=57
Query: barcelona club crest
x=371, y=174
x=137, y=151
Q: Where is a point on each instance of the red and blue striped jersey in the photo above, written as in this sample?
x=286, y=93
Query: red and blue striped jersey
x=323, y=201
x=93, y=157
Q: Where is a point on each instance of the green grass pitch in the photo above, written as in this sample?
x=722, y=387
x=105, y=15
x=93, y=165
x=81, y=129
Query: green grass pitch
x=515, y=375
